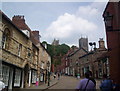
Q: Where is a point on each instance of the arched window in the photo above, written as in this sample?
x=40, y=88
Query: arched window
x=6, y=39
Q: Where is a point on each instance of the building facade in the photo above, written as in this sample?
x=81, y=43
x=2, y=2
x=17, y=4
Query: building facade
x=112, y=25
x=20, y=55
x=93, y=61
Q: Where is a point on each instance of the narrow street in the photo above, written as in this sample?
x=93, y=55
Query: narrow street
x=68, y=82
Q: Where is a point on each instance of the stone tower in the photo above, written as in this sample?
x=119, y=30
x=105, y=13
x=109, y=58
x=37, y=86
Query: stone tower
x=55, y=42
x=83, y=43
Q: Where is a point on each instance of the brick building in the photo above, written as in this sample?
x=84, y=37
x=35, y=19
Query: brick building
x=65, y=62
x=93, y=61
x=112, y=25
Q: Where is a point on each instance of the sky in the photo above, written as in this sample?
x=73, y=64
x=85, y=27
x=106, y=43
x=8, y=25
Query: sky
x=65, y=21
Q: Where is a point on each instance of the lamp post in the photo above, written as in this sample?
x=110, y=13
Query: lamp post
x=91, y=44
x=48, y=65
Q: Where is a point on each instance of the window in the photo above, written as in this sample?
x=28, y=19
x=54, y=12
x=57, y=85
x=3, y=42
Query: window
x=34, y=76
x=3, y=41
x=19, y=49
x=6, y=39
x=17, y=77
x=5, y=74
x=29, y=53
x=42, y=65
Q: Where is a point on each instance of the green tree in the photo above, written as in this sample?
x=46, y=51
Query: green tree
x=56, y=52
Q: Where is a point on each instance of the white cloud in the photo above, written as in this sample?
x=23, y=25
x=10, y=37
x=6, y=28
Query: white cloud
x=87, y=11
x=66, y=25
x=68, y=28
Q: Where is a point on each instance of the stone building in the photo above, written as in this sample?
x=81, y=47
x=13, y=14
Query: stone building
x=111, y=16
x=93, y=61
x=44, y=59
x=19, y=66
x=73, y=58
x=20, y=52
x=69, y=61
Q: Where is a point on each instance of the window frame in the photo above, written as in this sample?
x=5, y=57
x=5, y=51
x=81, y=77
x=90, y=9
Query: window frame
x=6, y=38
x=17, y=79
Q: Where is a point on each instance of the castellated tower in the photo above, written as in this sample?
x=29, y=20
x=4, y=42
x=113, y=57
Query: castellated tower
x=55, y=42
x=83, y=43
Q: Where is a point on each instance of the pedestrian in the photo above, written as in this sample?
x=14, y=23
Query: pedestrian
x=78, y=76
x=106, y=84
x=58, y=75
x=91, y=77
x=54, y=76
x=37, y=82
x=86, y=84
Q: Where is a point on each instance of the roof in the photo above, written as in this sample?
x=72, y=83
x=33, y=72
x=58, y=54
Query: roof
x=4, y=16
x=104, y=55
x=44, y=48
x=86, y=54
x=77, y=51
x=34, y=41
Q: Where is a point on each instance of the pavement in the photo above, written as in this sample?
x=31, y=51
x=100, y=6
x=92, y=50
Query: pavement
x=45, y=86
x=65, y=82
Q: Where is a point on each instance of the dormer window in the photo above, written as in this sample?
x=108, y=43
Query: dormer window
x=26, y=32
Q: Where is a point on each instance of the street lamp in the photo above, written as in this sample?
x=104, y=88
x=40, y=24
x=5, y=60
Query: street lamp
x=91, y=44
x=108, y=18
x=48, y=65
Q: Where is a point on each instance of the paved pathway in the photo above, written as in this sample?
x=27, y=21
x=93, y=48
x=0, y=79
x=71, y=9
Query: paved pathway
x=65, y=82
x=45, y=86
x=68, y=82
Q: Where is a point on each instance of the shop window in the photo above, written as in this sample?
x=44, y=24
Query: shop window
x=6, y=39
x=5, y=74
x=17, y=78
x=34, y=76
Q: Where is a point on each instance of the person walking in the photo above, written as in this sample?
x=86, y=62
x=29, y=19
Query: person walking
x=54, y=75
x=78, y=76
x=58, y=76
x=91, y=77
x=86, y=84
x=106, y=84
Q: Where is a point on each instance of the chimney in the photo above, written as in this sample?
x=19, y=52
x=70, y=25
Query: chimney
x=101, y=43
x=36, y=35
x=19, y=21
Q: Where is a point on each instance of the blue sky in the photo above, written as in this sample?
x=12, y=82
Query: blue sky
x=66, y=21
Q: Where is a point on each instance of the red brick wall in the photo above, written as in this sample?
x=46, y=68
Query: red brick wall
x=113, y=41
